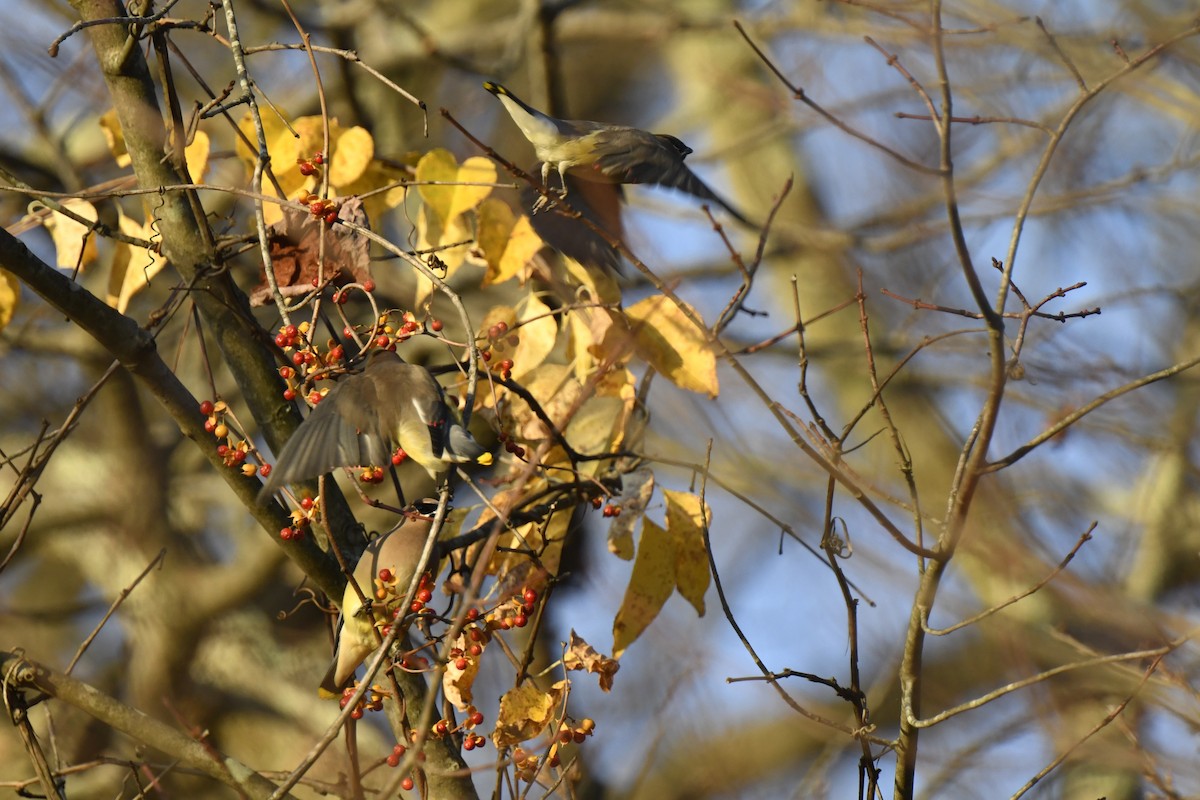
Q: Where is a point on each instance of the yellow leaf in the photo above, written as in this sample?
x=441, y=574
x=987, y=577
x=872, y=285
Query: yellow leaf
x=673, y=344
x=132, y=267
x=538, y=334
x=457, y=683
x=442, y=182
x=507, y=242
x=636, y=489
x=652, y=582
x=546, y=539
x=475, y=170
x=353, y=150
x=115, y=137
x=431, y=233
x=524, y=713
x=687, y=522
x=10, y=293
x=556, y=391
x=74, y=243
x=600, y=283
x=196, y=156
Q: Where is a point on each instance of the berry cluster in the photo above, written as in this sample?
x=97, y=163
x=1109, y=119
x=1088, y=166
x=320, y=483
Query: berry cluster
x=234, y=450
x=499, y=340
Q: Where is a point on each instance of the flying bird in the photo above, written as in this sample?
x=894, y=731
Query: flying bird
x=598, y=151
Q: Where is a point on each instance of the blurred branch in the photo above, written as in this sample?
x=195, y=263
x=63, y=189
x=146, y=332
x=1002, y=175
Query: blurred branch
x=22, y=676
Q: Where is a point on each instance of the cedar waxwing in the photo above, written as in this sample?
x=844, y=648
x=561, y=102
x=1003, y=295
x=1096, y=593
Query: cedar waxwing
x=399, y=552
x=612, y=153
x=367, y=415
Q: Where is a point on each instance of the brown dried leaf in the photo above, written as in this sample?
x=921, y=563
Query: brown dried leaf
x=581, y=655
x=295, y=245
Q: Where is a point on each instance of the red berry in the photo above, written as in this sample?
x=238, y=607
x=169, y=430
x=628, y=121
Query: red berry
x=473, y=613
x=264, y=470
x=424, y=595
x=381, y=340
x=306, y=503
x=486, y=355
x=475, y=650
x=530, y=597
x=290, y=331
x=285, y=533
x=286, y=372
x=435, y=325
x=461, y=664
x=393, y=760
x=501, y=328
x=398, y=457
x=441, y=727
x=406, y=784
x=318, y=157
x=298, y=359
x=289, y=394
x=399, y=749
x=307, y=169
x=206, y=407
x=520, y=620
x=356, y=713
x=469, y=743
x=385, y=575
x=416, y=606
x=368, y=286
x=331, y=216
x=477, y=718
x=314, y=397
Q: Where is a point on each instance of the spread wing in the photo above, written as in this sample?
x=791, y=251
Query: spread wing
x=342, y=431
x=634, y=156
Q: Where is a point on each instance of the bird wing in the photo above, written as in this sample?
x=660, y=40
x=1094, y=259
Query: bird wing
x=635, y=156
x=341, y=431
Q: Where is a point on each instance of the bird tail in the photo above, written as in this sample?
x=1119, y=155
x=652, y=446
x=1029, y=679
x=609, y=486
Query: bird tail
x=462, y=448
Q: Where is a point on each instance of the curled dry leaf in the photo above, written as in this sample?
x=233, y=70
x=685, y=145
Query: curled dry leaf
x=295, y=244
x=582, y=656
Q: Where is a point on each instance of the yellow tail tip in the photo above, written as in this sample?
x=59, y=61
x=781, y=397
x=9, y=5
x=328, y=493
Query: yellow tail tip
x=485, y=460
x=494, y=88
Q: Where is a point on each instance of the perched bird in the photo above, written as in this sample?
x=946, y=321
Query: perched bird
x=367, y=415
x=399, y=552
x=597, y=151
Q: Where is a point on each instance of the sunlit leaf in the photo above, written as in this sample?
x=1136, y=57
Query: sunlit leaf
x=637, y=487
x=10, y=294
x=525, y=711
x=443, y=184
x=673, y=344
x=74, y=242
x=132, y=267
x=686, y=522
x=652, y=582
